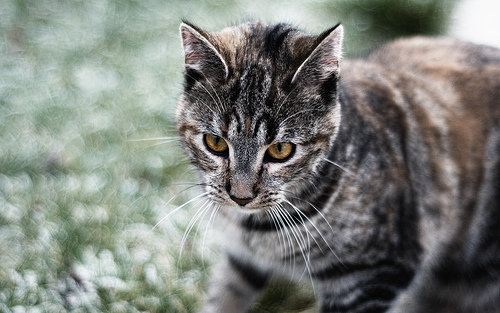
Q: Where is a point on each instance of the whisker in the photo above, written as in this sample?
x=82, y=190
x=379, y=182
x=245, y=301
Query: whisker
x=284, y=100
x=155, y=139
x=199, y=213
x=278, y=213
x=179, y=207
x=204, y=103
x=219, y=106
x=295, y=226
x=305, y=227
x=323, y=217
x=211, y=219
x=301, y=243
x=187, y=183
x=280, y=234
x=215, y=92
x=164, y=142
x=297, y=113
x=339, y=166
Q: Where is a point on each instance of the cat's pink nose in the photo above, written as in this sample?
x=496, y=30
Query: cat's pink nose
x=241, y=201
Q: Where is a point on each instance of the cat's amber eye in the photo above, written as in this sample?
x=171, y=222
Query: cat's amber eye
x=280, y=151
x=215, y=144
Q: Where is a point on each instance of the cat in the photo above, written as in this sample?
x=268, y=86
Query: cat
x=377, y=179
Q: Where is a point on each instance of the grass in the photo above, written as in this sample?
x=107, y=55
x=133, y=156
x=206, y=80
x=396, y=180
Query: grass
x=80, y=83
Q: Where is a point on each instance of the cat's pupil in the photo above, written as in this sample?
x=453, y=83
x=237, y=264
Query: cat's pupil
x=279, y=147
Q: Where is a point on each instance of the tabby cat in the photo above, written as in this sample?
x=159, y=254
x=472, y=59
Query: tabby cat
x=377, y=179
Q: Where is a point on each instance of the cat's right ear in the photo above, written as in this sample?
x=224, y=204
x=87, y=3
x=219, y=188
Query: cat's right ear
x=200, y=54
x=323, y=62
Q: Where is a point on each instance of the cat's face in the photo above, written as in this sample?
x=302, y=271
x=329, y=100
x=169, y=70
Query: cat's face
x=259, y=110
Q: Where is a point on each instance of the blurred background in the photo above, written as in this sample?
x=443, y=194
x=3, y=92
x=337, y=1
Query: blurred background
x=84, y=85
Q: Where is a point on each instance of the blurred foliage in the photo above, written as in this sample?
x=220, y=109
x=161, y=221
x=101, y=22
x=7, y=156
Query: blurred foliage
x=81, y=84
x=373, y=22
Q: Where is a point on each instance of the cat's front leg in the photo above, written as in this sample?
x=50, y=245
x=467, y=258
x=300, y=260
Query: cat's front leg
x=235, y=285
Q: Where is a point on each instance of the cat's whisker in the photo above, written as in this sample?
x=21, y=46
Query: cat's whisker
x=179, y=207
x=316, y=228
x=219, y=105
x=339, y=166
x=205, y=104
x=211, y=219
x=299, y=237
x=189, y=184
x=308, y=233
x=155, y=139
x=301, y=243
x=215, y=92
x=199, y=213
x=323, y=217
x=305, y=227
x=278, y=214
x=280, y=233
x=284, y=100
x=164, y=142
x=297, y=113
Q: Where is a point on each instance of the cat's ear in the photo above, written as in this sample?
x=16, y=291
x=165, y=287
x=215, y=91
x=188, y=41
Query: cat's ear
x=200, y=54
x=323, y=61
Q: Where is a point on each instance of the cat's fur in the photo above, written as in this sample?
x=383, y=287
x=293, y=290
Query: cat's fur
x=391, y=202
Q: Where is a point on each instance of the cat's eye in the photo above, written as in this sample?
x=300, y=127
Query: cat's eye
x=280, y=151
x=215, y=144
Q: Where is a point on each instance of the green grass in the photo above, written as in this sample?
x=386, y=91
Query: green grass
x=80, y=81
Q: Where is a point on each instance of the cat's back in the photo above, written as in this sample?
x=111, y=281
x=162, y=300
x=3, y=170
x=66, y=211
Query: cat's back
x=443, y=97
x=437, y=100
x=449, y=88
x=465, y=72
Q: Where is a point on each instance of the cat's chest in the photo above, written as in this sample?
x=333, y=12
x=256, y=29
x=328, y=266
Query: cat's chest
x=283, y=249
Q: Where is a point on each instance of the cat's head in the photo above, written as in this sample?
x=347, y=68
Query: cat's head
x=259, y=111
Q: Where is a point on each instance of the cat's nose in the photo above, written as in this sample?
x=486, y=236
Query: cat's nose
x=241, y=201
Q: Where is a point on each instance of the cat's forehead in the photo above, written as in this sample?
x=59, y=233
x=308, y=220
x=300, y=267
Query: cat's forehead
x=258, y=43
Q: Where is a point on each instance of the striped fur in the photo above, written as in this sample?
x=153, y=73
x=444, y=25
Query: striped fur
x=391, y=200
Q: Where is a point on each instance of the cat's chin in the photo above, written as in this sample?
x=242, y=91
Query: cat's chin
x=246, y=210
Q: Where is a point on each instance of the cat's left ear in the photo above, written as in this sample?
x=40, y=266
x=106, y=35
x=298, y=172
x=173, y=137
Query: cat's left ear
x=200, y=54
x=323, y=62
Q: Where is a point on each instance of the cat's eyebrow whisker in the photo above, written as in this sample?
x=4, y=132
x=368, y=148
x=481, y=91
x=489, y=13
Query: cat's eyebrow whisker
x=297, y=113
x=215, y=92
x=339, y=166
x=179, y=207
x=218, y=104
x=205, y=104
x=284, y=100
